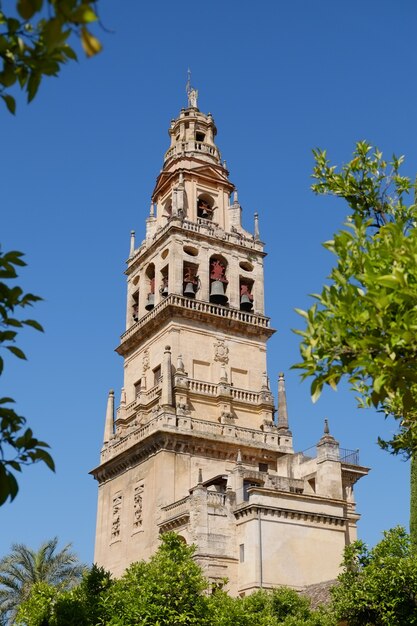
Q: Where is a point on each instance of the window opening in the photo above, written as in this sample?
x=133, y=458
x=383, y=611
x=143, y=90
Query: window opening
x=242, y=552
x=157, y=375
x=138, y=388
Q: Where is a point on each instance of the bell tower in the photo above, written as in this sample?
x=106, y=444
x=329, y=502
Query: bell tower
x=195, y=444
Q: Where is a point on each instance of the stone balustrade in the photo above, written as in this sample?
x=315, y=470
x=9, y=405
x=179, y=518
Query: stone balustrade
x=215, y=498
x=163, y=422
x=191, y=146
x=200, y=306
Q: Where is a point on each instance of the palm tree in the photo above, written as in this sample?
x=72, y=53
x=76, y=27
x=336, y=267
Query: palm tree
x=23, y=567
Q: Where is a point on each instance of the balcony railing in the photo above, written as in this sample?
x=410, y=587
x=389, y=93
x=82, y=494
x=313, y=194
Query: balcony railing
x=348, y=457
x=191, y=146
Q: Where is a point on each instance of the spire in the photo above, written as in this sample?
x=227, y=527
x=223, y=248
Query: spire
x=108, y=427
x=282, y=403
x=132, y=243
x=256, y=230
x=166, y=396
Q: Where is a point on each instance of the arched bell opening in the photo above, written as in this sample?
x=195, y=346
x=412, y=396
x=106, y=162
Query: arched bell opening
x=134, y=302
x=163, y=290
x=150, y=298
x=205, y=207
x=190, y=279
x=135, y=306
x=218, y=280
x=246, y=296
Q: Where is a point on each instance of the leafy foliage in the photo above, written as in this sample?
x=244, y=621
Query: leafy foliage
x=18, y=446
x=49, y=606
x=169, y=590
x=279, y=607
x=363, y=325
x=24, y=569
x=378, y=587
x=34, y=42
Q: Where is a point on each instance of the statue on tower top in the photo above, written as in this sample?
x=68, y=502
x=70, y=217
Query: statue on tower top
x=192, y=93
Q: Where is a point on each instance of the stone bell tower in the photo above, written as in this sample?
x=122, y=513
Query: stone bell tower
x=195, y=445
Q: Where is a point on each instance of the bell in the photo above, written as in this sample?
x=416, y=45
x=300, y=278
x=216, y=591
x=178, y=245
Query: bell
x=245, y=303
x=204, y=213
x=217, y=294
x=151, y=302
x=189, y=290
x=164, y=291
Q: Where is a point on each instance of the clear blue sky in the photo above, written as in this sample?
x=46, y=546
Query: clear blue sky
x=78, y=168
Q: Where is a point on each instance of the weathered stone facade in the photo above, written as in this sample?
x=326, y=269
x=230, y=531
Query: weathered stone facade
x=195, y=446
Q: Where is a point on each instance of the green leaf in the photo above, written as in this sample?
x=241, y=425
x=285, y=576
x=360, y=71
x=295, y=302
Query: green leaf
x=388, y=281
x=33, y=85
x=33, y=324
x=17, y=352
x=10, y=103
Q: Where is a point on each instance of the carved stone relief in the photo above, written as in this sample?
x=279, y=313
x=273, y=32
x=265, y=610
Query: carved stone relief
x=221, y=351
x=116, y=513
x=137, y=506
x=145, y=361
